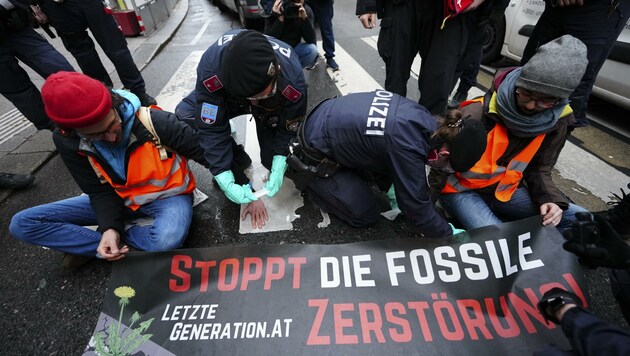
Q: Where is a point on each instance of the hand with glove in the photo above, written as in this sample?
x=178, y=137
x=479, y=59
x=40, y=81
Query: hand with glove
x=456, y=230
x=391, y=195
x=276, y=176
x=597, y=244
x=240, y=194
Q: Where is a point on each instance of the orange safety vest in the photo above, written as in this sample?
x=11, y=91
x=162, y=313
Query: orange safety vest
x=487, y=172
x=149, y=177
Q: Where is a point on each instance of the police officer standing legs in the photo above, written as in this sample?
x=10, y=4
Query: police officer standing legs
x=72, y=18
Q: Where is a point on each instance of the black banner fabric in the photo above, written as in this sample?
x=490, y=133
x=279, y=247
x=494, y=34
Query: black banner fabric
x=415, y=296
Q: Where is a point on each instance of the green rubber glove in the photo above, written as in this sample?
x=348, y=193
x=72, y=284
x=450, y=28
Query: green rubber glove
x=240, y=194
x=276, y=176
x=456, y=230
x=391, y=194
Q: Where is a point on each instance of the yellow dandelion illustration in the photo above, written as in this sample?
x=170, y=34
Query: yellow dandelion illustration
x=125, y=292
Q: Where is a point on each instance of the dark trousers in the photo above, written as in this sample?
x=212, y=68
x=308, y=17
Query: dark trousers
x=412, y=27
x=346, y=196
x=468, y=67
x=324, y=13
x=594, y=25
x=72, y=18
x=620, y=286
x=32, y=49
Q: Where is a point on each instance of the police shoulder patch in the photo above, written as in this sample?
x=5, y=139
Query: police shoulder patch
x=209, y=113
x=291, y=93
x=293, y=125
x=213, y=83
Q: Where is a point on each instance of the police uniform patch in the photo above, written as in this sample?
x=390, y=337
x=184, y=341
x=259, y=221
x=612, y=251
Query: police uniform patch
x=213, y=83
x=291, y=93
x=293, y=125
x=209, y=113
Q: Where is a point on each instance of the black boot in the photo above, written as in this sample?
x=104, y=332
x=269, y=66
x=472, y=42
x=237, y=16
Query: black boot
x=145, y=99
x=15, y=181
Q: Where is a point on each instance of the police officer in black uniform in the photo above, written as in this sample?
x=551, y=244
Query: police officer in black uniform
x=409, y=27
x=72, y=18
x=388, y=136
x=246, y=72
x=19, y=41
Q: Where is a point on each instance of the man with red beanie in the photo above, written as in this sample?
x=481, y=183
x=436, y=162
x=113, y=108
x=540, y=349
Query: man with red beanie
x=123, y=172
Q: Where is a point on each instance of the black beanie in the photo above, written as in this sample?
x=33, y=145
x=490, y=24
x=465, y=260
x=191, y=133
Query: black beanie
x=248, y=64
x=468, y=146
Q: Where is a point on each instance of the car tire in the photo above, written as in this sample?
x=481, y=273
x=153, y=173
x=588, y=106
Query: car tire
x=245, y=22
x=220, y=5
x=495, y=34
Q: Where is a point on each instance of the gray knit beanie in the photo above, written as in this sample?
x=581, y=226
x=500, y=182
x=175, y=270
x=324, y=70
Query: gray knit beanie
x=556, y=69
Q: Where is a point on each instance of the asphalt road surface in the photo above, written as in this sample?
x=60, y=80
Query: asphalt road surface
x=47, y=310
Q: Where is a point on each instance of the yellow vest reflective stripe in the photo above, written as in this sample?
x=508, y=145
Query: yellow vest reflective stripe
x=149, y=177
x=487, y=172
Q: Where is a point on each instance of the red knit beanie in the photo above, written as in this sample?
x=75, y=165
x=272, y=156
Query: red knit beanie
x=74, y=100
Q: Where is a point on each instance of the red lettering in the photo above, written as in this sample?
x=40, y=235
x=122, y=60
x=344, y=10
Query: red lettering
x=270, y=275
x=477, y=322
x=576, y=287
x=184, y=285
x=524, y=310
x=205, y=266
x=419, y=307
x=222, y=284
x=313, y=337
x=297, y=263
x=405, y=334
x=248, y=262
x=341, y=323
x=506, y=314
x=374, y=325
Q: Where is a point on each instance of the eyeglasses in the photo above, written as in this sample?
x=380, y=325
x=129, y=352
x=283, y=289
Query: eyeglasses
x=271, y=93
x=543, y=103
x=99, y=136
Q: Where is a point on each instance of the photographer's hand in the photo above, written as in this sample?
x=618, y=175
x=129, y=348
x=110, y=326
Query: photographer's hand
x=607, y=249
x=277, y=10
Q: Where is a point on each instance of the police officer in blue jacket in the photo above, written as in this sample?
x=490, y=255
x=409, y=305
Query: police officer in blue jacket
x=390, y=137
x=19, y=41
x=246, y=72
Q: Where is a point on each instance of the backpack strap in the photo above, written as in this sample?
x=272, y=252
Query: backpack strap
x=144, y=115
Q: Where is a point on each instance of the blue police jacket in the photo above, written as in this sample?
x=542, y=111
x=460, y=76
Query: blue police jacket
x=384, y=133
x=286, y=108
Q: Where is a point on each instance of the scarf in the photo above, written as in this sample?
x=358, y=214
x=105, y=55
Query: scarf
x=518, y=123
x=114, y=155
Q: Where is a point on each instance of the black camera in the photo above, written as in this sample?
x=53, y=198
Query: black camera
x=586, y=230
x=290, y=9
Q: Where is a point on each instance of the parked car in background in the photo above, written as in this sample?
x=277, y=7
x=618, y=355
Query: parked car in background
x=249, y=13
x=509, y=36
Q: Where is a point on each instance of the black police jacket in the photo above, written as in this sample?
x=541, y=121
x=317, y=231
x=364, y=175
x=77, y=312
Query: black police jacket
x=281, y=113
x=384, y=133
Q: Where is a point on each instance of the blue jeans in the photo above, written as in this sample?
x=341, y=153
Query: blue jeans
x=306, y=52
x=473, y=210
x=324, y=13
x=60, y=225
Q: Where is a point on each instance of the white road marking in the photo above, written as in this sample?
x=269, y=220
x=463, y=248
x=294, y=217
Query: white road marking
x=200, y=33
x=181, y=83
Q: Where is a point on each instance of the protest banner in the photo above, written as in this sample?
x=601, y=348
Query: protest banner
x=475, y=295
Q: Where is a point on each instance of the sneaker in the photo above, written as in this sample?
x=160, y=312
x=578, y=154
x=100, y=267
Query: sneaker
x=145, y=99
x=457, y=99
x=619, y=214
x=330, y=62
x=72, y=262
x=15, y=181
x=312, y=65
